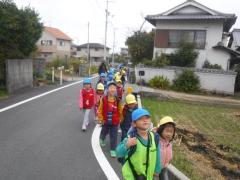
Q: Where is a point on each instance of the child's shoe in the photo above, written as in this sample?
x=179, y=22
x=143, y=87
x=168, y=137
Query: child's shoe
x=113, y=154
x=102, y=143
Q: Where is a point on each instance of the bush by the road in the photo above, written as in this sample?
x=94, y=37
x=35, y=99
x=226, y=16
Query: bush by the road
x=187, y=81
x=159, y=82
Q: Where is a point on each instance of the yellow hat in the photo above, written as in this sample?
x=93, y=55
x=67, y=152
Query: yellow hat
x=129, y=90
x=165, y=120
x=123, y=72
x=100, y=86
x=118, y=80
x=130, y=98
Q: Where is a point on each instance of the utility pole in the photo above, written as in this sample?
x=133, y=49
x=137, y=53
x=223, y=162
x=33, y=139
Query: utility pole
x=113, y=46
x=105, y=40
x=88, y=54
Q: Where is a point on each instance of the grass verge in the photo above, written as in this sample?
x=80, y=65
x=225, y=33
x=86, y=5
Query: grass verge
x=216, y=123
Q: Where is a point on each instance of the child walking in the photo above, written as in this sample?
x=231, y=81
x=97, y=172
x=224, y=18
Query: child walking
x=120, y=89
x=110, y=114
x=166, y=130
x=140, y=149
x=99, y=94
x=129, y=107
x=86, y=101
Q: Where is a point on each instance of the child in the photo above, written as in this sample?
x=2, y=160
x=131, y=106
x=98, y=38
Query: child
x=166, y=130
x=129, y=107
x=99, y=94
x=140, y=149
x=109, y=114
x=86, y=101
x=103, y=80
x=120, y=89
x=123, y=77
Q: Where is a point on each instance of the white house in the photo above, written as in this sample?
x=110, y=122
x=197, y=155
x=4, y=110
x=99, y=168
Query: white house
x=194, y=22
x=96, y=52
x=54, y=43
x=234, y=42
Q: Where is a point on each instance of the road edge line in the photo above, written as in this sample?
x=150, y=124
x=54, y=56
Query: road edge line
x=40, y=95
x=101, y=158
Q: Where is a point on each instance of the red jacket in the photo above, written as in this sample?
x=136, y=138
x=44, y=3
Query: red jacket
x=120, y=91
x=113, y=107
x=86, y=100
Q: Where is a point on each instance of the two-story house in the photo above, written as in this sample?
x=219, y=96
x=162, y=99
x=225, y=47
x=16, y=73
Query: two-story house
x=54, y=44
x=96, y=52
x=194, y=22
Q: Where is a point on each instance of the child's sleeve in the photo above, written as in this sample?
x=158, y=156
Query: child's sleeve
x=120, y=111
x=80, y=101
x=121, y=149
x=100, y=110
x=158, y=166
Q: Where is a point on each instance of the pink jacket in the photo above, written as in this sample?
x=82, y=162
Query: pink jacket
x=97, y=98
x=166, y=152
x=80, y=100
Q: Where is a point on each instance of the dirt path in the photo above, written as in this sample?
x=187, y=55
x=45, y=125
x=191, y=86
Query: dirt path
x=188, y=97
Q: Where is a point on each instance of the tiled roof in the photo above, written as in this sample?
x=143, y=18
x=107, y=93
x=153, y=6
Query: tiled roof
x=207, y=14
x=58, y=33
x=227, y=49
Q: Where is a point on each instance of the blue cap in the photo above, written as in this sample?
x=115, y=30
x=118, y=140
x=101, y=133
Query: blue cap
x=138, y=113
x=103, y=75
x=111, y=83
x=87, y=81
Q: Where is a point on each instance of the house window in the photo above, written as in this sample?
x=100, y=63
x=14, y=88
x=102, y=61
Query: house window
x=192, y=36
x=46, y=42
x=61, y=43
x=96, y=49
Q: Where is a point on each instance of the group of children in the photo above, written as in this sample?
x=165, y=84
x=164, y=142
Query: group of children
x=143, y=152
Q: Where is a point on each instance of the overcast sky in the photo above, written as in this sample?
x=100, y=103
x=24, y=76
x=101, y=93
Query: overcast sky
x=126, y=16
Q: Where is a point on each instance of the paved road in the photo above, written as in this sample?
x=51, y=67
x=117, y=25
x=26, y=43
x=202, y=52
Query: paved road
x=42, y=140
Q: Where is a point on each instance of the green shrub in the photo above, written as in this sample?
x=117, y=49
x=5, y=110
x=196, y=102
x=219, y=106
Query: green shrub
x=185, y=55
x=56, y=63
x=161, y=61
x=208, y=65
x=74, y=65
x=186, y=81
x=94, y=69
x=148, y=62
x=159, y=82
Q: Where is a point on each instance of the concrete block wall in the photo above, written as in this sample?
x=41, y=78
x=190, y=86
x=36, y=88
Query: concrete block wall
x=19, y=74
x=210, y=80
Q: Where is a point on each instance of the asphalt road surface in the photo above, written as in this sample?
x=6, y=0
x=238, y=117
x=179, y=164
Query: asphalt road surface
x=42, y=140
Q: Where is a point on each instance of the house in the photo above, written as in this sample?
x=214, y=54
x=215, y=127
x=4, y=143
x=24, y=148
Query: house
x=194, y=22
x=234, y=41
x=54, y=44
x=96, y=52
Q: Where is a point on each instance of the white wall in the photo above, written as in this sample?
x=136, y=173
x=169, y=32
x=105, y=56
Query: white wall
x=66, y=47
x=217, y=81
x=47, y=36
x=93, y=53
x=214, y=30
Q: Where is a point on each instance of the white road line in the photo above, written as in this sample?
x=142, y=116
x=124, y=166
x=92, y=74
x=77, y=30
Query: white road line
x=101, y=158
x=38, y=96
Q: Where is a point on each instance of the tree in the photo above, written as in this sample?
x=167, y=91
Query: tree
x=185, y=55
x=19, y=32
x=140, y=46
